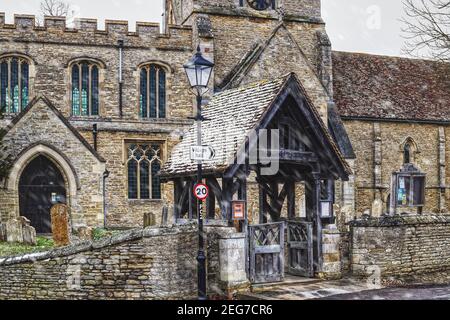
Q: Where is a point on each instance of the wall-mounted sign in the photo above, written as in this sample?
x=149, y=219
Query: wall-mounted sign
x=238, y=210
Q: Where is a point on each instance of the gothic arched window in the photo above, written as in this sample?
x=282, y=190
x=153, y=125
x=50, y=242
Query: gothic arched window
x=85, y=89
x=14, y=84
x=152, y=92
x=143, y=166
x=409, y=150
x=407, y=153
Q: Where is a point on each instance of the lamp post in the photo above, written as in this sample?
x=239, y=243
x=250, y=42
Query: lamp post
x=198, y=71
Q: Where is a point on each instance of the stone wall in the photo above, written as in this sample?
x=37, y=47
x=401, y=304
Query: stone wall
x=154, y=263
x=379, y=152
x=400, y=247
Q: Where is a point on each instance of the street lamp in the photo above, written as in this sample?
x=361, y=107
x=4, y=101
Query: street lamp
x=198, y=71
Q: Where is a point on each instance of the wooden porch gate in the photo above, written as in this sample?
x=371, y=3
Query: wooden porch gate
x=300, y=248
x=266, y=252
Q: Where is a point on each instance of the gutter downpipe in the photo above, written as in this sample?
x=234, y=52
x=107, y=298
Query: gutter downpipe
x=105, y=176
x=120, y=44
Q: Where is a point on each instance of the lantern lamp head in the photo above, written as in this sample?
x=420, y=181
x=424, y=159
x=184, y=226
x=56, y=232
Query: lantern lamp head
x=198, y=71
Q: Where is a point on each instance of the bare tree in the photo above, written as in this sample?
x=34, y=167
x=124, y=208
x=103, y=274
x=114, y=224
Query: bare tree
x=427, y=28
x=55, y=8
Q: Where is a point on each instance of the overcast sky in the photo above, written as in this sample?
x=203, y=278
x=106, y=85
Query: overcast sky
x=370, y=26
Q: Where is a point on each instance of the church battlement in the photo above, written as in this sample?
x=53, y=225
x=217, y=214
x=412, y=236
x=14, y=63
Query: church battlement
x=114, y=29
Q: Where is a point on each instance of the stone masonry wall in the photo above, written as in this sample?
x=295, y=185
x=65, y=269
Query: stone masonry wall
x=154, y=263
x=400, y=246
x=40, y=127
x=379, y=152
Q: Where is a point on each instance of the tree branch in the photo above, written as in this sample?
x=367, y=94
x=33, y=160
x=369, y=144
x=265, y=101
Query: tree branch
x=427, y=28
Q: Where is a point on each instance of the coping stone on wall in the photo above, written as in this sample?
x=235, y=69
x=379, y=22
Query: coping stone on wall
x=126, y=236
x=400, y=220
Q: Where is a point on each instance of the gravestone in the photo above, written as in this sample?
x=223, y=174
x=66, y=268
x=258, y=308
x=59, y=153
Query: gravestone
x=28, y=232
x=2, y=232
x=85, y=233
x=165, y=216
x=149, y=219
x=60, y=225
x=377, y=208
x=14, y=231
x=29, y=235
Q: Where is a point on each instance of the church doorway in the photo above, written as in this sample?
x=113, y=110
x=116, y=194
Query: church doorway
x=41, y=186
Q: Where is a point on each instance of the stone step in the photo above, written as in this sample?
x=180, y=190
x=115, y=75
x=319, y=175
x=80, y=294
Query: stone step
x=249, y=296
x=289, y=281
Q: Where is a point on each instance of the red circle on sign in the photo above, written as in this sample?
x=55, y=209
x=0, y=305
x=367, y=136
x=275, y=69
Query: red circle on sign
x=201, y=191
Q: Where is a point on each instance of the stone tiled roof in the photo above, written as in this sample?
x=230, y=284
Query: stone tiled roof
x=371, y=86
x=63, y=119
x=231, y=115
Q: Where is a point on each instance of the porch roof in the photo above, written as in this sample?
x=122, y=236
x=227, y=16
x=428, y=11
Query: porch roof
x=231, y=115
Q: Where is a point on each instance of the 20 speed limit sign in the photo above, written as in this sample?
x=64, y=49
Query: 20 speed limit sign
x=201, y=191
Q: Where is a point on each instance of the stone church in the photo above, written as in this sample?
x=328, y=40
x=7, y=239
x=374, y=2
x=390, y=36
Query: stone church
x=99, y=119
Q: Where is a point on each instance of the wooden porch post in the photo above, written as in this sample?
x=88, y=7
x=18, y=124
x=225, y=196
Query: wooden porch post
x=318, y=221
x=291, y=200
x=262, y=204
x=227, y=197
x=177, y=191
x=211, y=202
x=192, y=200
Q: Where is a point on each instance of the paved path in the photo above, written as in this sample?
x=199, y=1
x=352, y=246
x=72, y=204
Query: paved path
x=410, y=293
x=346, y=289
x=305, y=290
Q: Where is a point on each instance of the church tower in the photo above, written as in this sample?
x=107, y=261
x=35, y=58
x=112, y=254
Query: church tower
x=294, y=9
x=252, y=40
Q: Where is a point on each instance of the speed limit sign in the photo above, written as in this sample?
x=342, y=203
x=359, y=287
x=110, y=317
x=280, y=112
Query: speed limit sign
x=201, y=191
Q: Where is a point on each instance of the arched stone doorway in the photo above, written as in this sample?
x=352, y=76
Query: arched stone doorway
x=41, y=185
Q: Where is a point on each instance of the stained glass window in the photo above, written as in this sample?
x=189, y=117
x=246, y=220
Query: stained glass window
x=85, y=89
x=152, y=101
x=24, y=79
x=14, y=84
x=94, y=88
x=144, y=164
x=132, y=179
x=156, y=183
x=143, y=94
x=162, y=94
x=75, y=90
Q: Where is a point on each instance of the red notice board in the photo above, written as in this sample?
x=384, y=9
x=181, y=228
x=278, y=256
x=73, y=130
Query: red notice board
x=238, y=210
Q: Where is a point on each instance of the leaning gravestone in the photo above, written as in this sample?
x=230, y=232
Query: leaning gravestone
x=14, y=231
x=28, y=232
x=60, y=225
